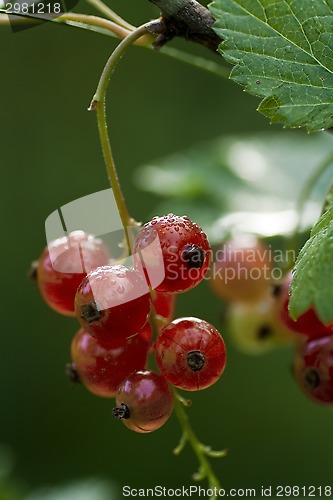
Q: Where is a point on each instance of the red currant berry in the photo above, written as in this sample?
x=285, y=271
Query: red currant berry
x=144, y=401
x=254, y=326
x=112, y=303
x=63, y=265
x=241, y=270
x=314, y=369
x=308, y=324
x=102, y=368
x=180, y=258
x=190, y=354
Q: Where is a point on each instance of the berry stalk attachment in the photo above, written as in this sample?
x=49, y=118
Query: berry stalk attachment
x=145, y=401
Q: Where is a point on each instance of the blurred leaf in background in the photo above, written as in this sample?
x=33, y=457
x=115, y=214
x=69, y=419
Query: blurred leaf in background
x=10, y=488
x=89, y=489
x=257, y=178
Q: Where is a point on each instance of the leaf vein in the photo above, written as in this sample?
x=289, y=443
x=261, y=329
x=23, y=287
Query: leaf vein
x=280, y=34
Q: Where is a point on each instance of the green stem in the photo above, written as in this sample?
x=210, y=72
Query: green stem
x=69, y=17
x=104, y=9
x=98, y=104
x=188, y=435
x=305, y=194
x=153, y=318
x=111, y=170
x=83, y=21
x=201, y=451
x=100, y=22
x=116, y=56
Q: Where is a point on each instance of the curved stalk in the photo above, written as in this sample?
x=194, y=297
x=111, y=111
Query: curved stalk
x=100, y=22
x=111, y=14
x=105, y=27
x=116, y=56
x=73, y=19
x=98, y=104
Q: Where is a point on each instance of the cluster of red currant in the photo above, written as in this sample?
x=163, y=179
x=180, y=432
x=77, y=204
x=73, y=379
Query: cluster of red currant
x=119, y=308
x=258, y=314
x=313, y=365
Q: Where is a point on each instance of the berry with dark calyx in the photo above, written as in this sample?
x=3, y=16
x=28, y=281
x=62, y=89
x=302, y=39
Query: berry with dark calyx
x=313, y=369
x=90, y=312
x=190, y=354
x=113, y=303
x=101, y=367
x=195, y=360
x=144, y=401
x=254, y=327
x=174, y=252
x=63, y=265
x=121, y=412
x=72, y=373
x=241, y=270
x=194, y=256
x=32, y=273
x=308, y=324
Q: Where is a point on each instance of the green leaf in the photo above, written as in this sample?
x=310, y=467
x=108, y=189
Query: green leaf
x=244, y=183
x=313, y=275
x=283, y=52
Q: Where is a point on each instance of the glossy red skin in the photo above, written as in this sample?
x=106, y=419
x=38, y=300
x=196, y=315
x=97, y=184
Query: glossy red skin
x=122, y=298
x=317, y=355
x=164, y=305
x=179, y=338
x=59, y=281
x=146, y=333
x=149, y=400
x=241, y=272
x=102, y=367
x=175, y=234
x=308, y=324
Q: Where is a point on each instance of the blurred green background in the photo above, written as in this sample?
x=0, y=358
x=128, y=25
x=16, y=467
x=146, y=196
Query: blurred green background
x=49, y=156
